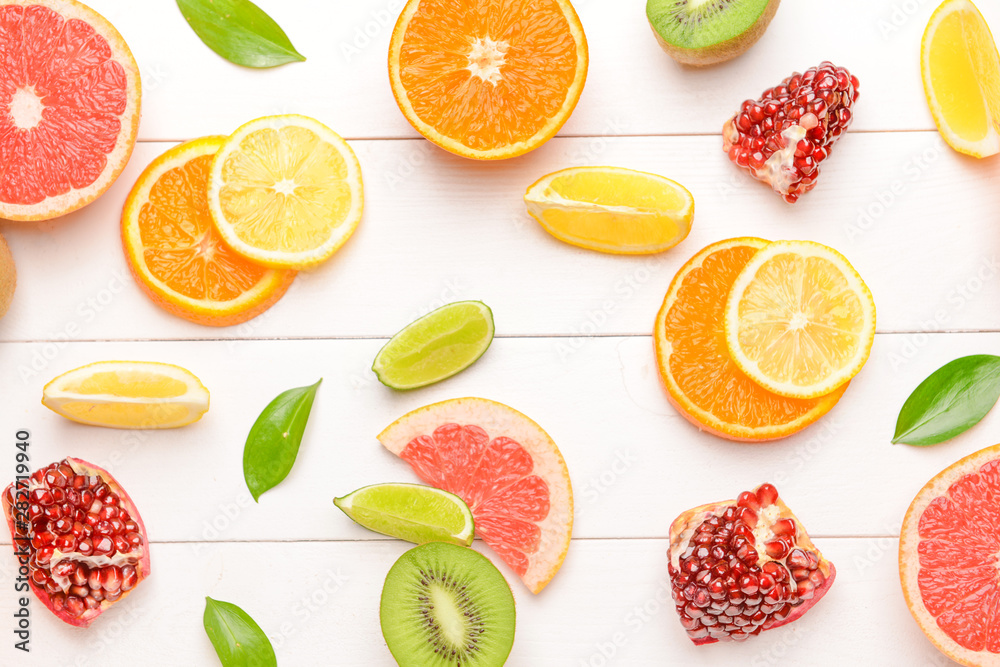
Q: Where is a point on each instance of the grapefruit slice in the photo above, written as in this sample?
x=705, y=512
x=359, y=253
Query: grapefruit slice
x=949, y=554
x=69, y=107
x=700, y=377
x=505, y=467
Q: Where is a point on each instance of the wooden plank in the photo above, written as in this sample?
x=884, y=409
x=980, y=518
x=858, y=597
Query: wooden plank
x=635, y=463
x=633, y=87
x=609, y=605
x=909, y=213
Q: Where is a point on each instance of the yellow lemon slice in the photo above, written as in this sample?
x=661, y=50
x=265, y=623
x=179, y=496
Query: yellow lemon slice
x=611, y=209
x=961, y=73
x=799, y=320
x=285, y=191
x=128, y=394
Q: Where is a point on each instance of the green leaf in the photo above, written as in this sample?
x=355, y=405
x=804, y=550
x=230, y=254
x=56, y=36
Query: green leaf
x=237, y=638
x=274, y=440
x=952, y=399
x=240, y=32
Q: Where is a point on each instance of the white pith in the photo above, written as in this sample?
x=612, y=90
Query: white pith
x=486, y=58
x=779, y=170
x=26, y=109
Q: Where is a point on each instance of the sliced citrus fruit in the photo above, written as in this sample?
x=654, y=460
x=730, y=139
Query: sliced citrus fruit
x=285, y=191
x=128, y=394
x=701, y=380
x=174, y=252
x=799, y=319
x=611, y=209
x=69, y=107
x=488, y=79
x=961, y=73
x=505, y=467
x=411, y=512
x=440, y=344
x=948, y=555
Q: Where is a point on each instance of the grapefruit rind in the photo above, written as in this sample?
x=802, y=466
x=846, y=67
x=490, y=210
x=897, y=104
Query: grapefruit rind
x=697, y=416
x=455, y=146
x=60, y=205
x=498, y=419
x=909, y=560
x=250, y=304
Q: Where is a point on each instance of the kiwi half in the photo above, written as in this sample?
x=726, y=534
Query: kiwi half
x=705, y=32
x=445, y=605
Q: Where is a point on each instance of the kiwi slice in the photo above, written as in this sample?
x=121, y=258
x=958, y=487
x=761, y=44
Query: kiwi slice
x=705, y=32
x=445, y=605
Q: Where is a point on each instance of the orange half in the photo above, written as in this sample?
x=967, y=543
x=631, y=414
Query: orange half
x=701, y=379
x=176, y=255
x=488, y=79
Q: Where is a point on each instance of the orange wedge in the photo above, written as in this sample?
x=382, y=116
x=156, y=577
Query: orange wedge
x=487, y=79
x=175, y=253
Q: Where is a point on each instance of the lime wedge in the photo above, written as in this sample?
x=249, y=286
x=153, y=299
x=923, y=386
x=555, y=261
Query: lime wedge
x=411, y=512
x=436, y=346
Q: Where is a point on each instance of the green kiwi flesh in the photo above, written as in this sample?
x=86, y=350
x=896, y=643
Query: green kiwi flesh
x=705, y=32
x=444, y=605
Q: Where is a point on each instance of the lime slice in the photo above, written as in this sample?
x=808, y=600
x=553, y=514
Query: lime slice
x=411, y=512
x=436, y=346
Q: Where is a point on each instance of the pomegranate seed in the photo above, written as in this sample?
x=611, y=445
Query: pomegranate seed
x=53, y=512
x=44, y=555
x=42, y=497
x=66, y=542
x=85, y=547
x=61, y=525
x=784, y=527
x=74, y=606
x=79, y=576
x=91, y=603
x=108, y=512
x=103, y=546
x=800, y=574
x=110, y=500
x=111, y=578
x=94, y=579
x=57, y=601
x=97, y=595
x=52, y=587
x=42, y=539
x=39, y=577
x=129, y=577
x=797, y=559
x=34, y=511
x=748, y=499
x=121, y=544
x=79, y=591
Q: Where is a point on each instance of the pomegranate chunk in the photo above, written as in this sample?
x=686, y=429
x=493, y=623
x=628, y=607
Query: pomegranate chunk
x=784, y=136
x=80, y=536
x=743, y=566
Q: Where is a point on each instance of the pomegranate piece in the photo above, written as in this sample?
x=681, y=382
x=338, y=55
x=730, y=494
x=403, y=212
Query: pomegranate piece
x=782, y=138
x=743, y=566
x=80, y=536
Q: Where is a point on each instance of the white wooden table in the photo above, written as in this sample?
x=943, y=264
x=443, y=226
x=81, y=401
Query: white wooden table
x=573, y=346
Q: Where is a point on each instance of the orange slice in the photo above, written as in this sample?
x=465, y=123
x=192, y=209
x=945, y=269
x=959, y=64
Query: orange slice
x=701, y=380
x=488, y=79
x=174, y=252
x=505, y=467
x=948, y=558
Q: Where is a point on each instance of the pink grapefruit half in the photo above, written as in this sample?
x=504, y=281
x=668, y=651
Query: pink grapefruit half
x=949, y=559
x=505, y=467
x=69, y=107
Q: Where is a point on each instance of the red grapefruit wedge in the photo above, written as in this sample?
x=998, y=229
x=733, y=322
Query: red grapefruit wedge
x=69, y=107
x=949, y=555
x=505, y=467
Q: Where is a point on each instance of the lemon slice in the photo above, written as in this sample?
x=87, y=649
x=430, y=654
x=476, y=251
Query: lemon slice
x=961, y=73
x=128, y=394
x=613, y=210
x=285, y=191
x=799, y=320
